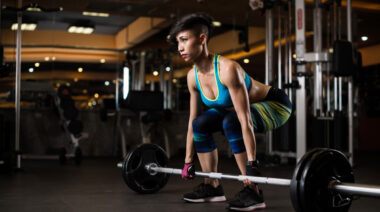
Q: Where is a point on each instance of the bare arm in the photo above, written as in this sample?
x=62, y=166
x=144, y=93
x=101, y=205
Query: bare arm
x=233, y=78
x=194, y=112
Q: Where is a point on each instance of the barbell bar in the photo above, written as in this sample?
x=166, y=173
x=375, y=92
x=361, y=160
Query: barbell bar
x=348, y=188
x=153, y=169
x=323, y=179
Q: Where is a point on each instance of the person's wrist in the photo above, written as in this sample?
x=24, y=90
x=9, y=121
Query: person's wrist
x=188, y=160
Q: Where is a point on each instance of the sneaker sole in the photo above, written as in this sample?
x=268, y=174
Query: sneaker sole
x=208, y=199
x=250, y=208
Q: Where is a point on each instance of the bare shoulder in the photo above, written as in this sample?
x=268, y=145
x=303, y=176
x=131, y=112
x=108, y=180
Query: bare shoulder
x=228, y=64
x=230, y=70
x=191, y=78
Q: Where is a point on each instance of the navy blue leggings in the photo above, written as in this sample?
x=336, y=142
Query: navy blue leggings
x=269, y=114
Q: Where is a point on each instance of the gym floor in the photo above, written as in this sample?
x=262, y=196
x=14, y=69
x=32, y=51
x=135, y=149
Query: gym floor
x=97, y=185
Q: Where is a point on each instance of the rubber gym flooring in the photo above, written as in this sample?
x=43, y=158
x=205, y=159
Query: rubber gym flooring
x=97, y=185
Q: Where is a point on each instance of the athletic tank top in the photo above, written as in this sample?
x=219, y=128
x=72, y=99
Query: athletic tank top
x=223, y=98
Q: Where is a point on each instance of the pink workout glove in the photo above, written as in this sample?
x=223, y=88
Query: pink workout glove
x=188, y=171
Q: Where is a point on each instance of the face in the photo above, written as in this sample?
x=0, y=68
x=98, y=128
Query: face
x=189, y=45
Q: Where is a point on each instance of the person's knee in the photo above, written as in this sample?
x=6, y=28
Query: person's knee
x=232, y=131
x=203, y=140
x=231, y=122
x=199, y=124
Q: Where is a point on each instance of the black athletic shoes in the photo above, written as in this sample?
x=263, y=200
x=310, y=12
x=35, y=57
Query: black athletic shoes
x=205, y=193
x=247, y=200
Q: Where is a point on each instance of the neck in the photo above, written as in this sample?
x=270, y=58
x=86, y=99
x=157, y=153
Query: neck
x=204, y=62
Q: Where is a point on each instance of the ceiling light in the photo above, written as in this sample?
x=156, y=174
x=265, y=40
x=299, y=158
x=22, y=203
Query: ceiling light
x=95, y=14
x=364, y=38
x=102, y=60
x=96, y=95
x=31, y=70
x=155, y=73
x=246, y=60
x=47, y=58
x=106, y=83
x=80, y=29
x=80, y=69
x=33, y=9
x=167, y=69
x=216, y=23
x=25, y=26
x=53, y=58
x=37, y=65
x=294, y=56
x=174, y=80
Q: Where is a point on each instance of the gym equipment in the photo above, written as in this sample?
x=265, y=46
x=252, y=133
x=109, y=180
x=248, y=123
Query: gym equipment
x=342, y=58
x=135, y=173
x=322, y=181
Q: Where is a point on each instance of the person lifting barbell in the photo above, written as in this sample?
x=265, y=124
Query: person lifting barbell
x=239, y=106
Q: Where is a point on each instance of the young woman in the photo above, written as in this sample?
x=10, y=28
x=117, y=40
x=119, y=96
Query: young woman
x=239, y=105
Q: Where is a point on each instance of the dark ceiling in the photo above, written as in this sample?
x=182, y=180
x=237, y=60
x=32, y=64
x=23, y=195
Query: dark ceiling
x=232, y=14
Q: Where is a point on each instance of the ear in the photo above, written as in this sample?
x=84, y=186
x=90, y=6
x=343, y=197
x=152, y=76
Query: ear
x=203, y=38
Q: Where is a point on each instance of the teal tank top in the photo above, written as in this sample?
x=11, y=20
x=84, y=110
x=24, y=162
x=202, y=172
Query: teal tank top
x=223, y=98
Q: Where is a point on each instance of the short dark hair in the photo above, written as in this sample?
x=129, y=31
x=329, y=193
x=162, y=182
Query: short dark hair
x=191, y=21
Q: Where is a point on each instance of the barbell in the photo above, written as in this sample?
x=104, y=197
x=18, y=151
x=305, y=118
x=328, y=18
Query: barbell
x=323, y=179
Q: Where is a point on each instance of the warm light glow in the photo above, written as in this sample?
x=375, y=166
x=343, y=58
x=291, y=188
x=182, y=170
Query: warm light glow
x=87, y=13
x=174, y=80
x=331, y=50
x=25, y=26
x=102, y=60
x=68, y=84
x=37, y=65
x=89, y=104
x=364, y=38
x=31, y=70
x=75, y=79
x=155, y=73
x=96, y=95
x=85, y=91
x=53, y=58
x=246, y=60
x=294, y=56
x=216, y=23
x=47, y=58
x=80, y=69
x=80, y=29
x=33, y=9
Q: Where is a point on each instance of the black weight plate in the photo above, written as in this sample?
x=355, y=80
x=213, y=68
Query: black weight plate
x=134, y=173
x=297, y=175
x=324, y=166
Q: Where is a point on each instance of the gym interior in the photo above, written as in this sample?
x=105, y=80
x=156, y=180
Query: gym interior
x=85, y=84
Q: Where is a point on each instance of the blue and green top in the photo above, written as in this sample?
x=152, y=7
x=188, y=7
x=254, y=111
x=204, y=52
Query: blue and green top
x=223, y=98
